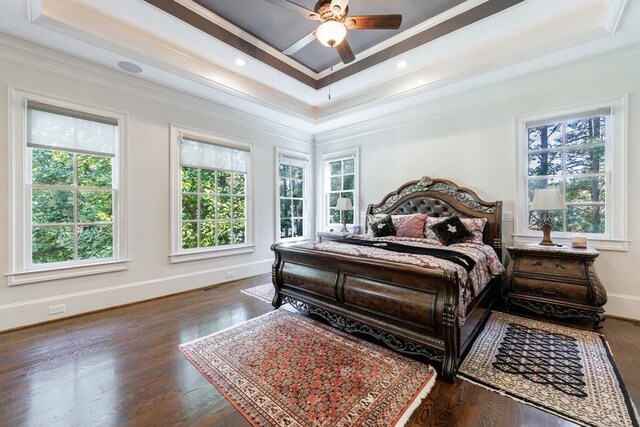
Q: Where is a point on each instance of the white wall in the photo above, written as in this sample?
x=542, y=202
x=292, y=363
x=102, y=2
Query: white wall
x=470, y=139
x=150, y=110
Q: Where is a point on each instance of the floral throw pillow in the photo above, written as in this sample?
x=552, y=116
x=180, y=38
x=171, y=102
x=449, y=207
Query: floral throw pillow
x=409, y=225
x=475, y=225
x=451, y=231
x=381, y=227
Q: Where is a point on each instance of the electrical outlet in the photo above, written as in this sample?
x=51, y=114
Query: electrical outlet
x=507, y=216
x=231, y=274
x=57, y=309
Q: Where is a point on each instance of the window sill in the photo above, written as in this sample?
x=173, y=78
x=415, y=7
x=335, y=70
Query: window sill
x=57, y=273
x=601, y=244
x=210, y=253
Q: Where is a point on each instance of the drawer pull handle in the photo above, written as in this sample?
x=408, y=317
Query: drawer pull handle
x=559, y=265
x=556, y=291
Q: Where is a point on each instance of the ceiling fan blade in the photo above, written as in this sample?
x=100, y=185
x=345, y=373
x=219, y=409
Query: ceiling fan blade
x=344, y=49
x=338, y=7
x=373, y=22
x=300, y=43
x=307, y=13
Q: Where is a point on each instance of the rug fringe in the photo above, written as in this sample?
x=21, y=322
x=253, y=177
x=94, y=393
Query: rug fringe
x=517, y=399
x=422, y=394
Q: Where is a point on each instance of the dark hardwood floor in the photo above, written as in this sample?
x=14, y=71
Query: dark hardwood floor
x=122, y=367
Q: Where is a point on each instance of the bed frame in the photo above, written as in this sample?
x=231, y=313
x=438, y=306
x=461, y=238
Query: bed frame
x=412, y=309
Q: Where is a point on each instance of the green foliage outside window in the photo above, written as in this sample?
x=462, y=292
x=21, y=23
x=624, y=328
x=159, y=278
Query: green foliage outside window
x=214, y=206
x=291, y=201
x=71, y=214
x=341, y=184
x=570, y=156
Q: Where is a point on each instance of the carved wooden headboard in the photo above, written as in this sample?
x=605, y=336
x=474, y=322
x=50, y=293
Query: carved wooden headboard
x=440, y=198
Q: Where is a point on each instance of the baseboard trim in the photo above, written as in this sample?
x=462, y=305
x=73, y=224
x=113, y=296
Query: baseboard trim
x=27, y=313
x=623, y=306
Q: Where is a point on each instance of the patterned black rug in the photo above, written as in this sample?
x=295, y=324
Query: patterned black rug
x=565, y=371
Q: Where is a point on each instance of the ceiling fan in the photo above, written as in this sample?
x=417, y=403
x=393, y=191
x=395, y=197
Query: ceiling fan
x=334, y=23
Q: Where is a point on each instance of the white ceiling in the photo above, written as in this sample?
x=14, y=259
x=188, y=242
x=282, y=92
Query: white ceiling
x=528, y=37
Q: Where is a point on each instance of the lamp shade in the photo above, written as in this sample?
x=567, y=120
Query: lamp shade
x=331, y=33
x=344, y=204
x=548, y=199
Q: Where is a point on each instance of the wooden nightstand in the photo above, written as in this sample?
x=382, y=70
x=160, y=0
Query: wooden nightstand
x=331, y=235
x=555, y=281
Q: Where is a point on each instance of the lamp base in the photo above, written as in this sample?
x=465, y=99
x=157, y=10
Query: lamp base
x=344, y=228
x=546, y=237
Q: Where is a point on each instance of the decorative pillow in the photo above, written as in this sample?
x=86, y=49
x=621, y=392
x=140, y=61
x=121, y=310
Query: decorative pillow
x=381, y=227
x=475, y=225
x=409, y=225
x=451, y=231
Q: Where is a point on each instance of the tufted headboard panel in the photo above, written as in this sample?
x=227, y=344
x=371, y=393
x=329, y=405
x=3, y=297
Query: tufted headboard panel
x=442, y=198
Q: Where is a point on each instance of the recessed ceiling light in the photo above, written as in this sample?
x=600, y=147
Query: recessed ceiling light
x=130, y=67
x=402, y=64
x=240, y=62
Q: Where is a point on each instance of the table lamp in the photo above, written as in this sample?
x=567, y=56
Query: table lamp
x=544, y=201
x=344, y=204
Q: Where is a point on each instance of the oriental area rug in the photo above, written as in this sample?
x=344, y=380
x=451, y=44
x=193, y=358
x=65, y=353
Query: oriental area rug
x=565, y=371
x=264, y=292
x=284, y=369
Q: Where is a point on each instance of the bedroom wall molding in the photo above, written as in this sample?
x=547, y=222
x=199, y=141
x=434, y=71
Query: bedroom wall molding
x=621, y=305
x=614, y=15
x=34, y=311
x=59, y=64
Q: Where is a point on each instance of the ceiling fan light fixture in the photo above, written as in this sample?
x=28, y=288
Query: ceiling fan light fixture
x=331, y=33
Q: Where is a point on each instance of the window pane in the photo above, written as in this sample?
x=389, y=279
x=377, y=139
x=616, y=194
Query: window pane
x=95, y=206
x=285, y=171
x=586, y=131
x=224, y=182
x=207, y=234
x=333, y=199
x=297, y=172
x=224, y=233
x=285, y=187
x=348, y=166
x=239, y=184
x=189, y=207
x=207, y=181
x=543, y=183
x=348, y=195
x=585, y=161
x=239, y=208
x=189, y=235
x=588, y=219
x=224, y=207
x=297, y=228
x=189, y=180
x=239, y=232
x=51, y=244
x=296, y=188
x=52, y=206
x=297, y=208
x=348, y=182
x=285, y=228
x=549, y=163
x=334, y=216
x=207, y=207
x=336, y=183
x=335, y=167
x=349, y=216
x=557, y=216
x=285, y=208
x=95, y=241
x=51, y=167
x=94, y=171
x=547, y=136
x=585, y=189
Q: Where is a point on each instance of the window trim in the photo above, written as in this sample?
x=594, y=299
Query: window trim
x=615, y=237
x=179, y=255
x=304, y=161
x=22, y=270
x=353, y=153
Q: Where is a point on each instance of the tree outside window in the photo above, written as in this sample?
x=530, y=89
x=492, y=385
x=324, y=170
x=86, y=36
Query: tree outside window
x=341, y=176
x=292, y=200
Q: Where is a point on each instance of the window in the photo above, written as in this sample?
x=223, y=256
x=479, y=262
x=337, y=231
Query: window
x=212, y=195
x=292, y=217
x=340, y=181
x=67, y=189
x=579, y=153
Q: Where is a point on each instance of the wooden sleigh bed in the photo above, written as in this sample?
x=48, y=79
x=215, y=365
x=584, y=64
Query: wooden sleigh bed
x=412, y=309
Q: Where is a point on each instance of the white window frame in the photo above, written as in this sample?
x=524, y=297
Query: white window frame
x=354, y=154
x=302, y=160
x=178, y=254
x=615, y=236
x=22, y=271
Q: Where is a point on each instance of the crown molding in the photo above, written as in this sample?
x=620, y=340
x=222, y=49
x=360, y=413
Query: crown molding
x=614, y=15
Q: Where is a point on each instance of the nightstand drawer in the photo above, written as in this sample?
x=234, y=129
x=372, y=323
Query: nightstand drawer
x=572, y=268
x=548, y=289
